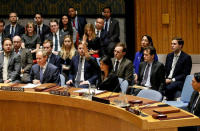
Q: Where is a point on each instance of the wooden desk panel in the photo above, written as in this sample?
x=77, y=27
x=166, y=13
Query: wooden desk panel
x=45, y=112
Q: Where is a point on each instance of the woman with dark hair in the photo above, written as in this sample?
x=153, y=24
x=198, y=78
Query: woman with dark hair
x=30, y=39
x=139, y=56
x=108, y=81
x=65, y=25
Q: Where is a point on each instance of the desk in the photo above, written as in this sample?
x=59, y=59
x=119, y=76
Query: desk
x=41, y=111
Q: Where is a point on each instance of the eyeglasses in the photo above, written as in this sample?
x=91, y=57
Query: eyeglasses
x=197, y=76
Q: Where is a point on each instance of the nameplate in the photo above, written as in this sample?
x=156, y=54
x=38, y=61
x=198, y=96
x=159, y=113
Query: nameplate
x=60, y=93
x=97, y=99
x=134, y=111
x=8, y=88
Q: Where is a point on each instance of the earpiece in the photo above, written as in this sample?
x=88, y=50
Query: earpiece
x=17, y=18
x=95, y=23
x=102, y=13
x=76, y=12
x=35, y=19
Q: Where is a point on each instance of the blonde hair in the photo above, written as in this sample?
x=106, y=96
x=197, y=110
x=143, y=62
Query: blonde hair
x=28, y=24
x=67, y=53
x=90, y=27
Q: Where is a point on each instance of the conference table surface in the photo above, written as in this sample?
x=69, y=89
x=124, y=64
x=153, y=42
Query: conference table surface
x=30, y=110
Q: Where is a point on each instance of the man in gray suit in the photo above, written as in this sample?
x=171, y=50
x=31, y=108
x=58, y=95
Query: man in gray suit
x=26, y=59
x=56, y=36
x=10, y=64
x=121, y=65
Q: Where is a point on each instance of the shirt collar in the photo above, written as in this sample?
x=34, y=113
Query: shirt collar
x=119, y=60
x=177, y=54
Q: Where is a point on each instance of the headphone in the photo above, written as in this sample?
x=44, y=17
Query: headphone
x=76, y=12
x=102, y=13
x=17, y=18
x=34, y=19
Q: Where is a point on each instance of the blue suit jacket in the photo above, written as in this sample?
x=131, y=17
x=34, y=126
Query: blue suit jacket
x=183, y=66
x=91, y=69
x=56, y=60
x=51, y=74
x=19, y=30
x=81, y=24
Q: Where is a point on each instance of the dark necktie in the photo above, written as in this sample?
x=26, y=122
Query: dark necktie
x=78, y=76
x=98, y=34
x=145, y=75
x=106, y=26
x=39, y=30
x=56, y=43
x=41, y=74
x=116, y=66
x=12, y=32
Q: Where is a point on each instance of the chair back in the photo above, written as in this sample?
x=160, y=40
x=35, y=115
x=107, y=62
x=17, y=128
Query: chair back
x=62, y=80
x=150, y=94
x=123, y=85
x=187, y=89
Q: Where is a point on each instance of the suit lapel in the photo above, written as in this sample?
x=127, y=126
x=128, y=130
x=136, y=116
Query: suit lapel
x=2, y=58
x=142, y=70
x=178, y=62
x=121, y=66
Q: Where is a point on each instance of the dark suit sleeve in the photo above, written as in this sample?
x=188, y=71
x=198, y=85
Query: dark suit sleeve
x=129, y=72
x=17, y=68
x=187, y=65
x=116, y=32
x=161, y=76
x=72, y=69
x=56, y=76
x=29, y=61
x=95, y=69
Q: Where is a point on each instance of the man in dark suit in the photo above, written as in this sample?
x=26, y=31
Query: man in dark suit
x=26, y=59
x=78, y=24
x=123, y=67
x=44, y=72
x=178, y=65
x=10, y=64
x=40, y=28
x=151, y=72
x=102, y=34
x=84, y=69
x=56, y=36
x=113, y=31
x=194, y=104
x=52, y=58
x=2, y=24
x=13, y=28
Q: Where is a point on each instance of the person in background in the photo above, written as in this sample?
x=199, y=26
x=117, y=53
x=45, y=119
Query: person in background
x=102, y=35
x=194, y=104
x=65, y=25
x=111, y=26
x=78, y=23
x=93, y=41
x=123, y=67
x=13, y=28
x=177, y=66
x=151, y=72
x=84, y=69
x=67, y=52
x=41, y=28
x=56, y=36
x=52, y=58
x=109, y=80
x=2, y=35
x=10, y=64
x=26, y=59
x=30, y=39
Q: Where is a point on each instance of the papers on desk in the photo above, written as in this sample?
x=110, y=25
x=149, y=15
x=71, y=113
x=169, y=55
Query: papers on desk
x=87, y=91
x=31, y=85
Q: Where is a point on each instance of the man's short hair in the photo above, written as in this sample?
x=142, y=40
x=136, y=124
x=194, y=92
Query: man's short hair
x=53, y=20
x=39, y=13
x=151, y=49
x=197, y=76
x=123, y=45
x=48, y=41
x=5, y=39
x=2, y=21
x=107, y=7
x=44, y=52
x=13, y=12
x=180, y=40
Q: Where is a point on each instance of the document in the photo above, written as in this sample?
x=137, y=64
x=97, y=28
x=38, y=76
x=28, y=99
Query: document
x=31, y=85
